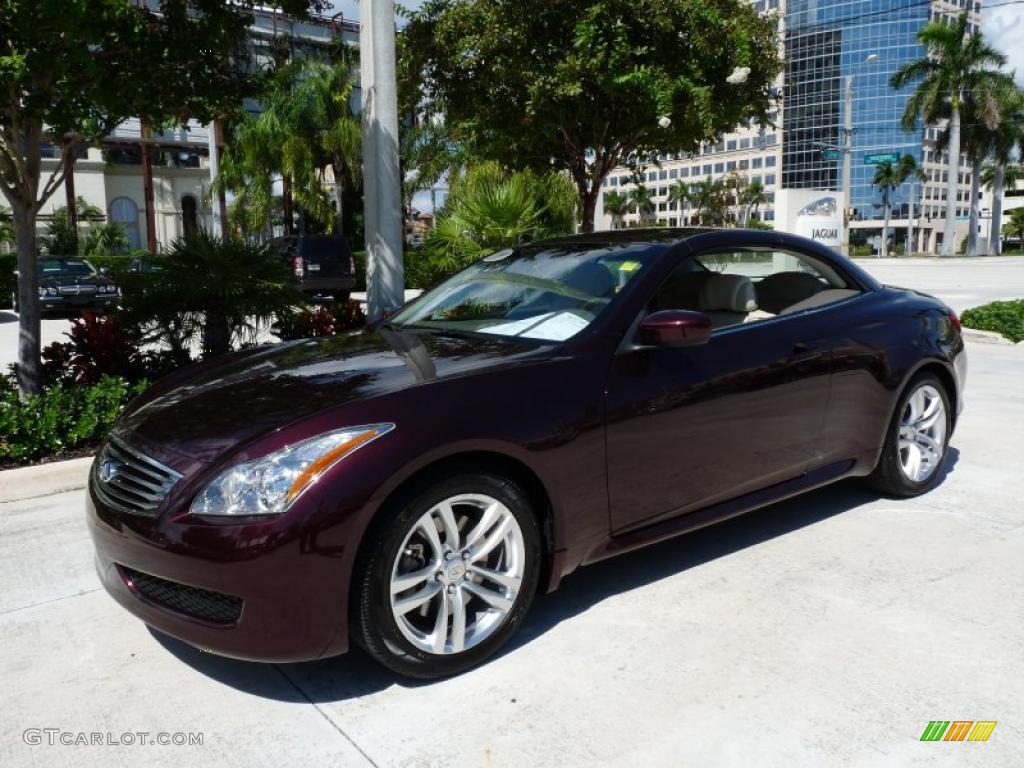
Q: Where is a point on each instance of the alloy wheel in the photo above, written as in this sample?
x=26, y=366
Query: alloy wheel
x=457, y=574
x=922, y=433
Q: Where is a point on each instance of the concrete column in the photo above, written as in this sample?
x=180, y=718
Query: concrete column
x=381, y=175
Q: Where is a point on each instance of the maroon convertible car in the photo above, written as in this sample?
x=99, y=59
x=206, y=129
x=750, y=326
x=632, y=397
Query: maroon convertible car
x=411, y=487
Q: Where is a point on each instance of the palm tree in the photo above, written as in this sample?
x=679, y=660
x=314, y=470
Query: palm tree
x=996, y=177
x=640, y=200
x=1015, y=226
x=752, y=197
x=955, y=62
x=984, y=111
x=679, y=192
x=616, y=204
x=307, y=126
x=888, y=177
x=1004, y=138
x=704, y=196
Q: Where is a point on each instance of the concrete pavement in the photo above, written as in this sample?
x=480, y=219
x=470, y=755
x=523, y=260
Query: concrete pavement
x=828, y=630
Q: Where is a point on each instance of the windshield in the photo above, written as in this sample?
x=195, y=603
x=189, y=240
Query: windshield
x=65, y=267
x=531, y=292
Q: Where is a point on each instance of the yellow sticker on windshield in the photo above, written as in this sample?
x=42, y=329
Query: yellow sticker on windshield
x=629, y=266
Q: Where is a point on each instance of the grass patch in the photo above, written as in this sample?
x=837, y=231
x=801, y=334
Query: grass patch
x=1005, y=317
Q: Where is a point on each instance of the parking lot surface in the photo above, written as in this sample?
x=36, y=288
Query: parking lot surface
x=828, y=630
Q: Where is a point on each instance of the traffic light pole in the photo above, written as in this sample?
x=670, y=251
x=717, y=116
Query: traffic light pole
x=847, y=161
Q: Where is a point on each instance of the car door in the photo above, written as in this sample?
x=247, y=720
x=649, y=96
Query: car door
x=689, y=427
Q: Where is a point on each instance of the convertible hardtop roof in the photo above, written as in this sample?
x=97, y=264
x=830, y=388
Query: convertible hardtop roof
x=652, y=235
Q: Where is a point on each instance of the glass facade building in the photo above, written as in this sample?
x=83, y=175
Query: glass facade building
x=826, y=42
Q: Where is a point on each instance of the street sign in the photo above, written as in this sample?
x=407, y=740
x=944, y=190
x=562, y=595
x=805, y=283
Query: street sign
x=830, y=154
x=877, y=158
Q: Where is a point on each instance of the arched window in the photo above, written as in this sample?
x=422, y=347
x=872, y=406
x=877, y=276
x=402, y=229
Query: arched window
x=125, y=212
x=189, y=215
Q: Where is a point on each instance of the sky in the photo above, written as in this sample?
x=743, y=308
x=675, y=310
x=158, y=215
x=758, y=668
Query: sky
x=1004, y=27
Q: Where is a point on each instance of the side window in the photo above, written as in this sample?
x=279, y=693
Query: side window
x=741, y=286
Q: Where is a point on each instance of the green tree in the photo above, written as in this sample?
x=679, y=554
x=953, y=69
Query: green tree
x=641, y=201
x=616, y=205
x=582, y=87
x=955, y=63
x=307, y=125
x=888, y=178
x=72, y=70
x=1014, y=227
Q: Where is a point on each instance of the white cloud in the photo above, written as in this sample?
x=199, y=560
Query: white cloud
x=1004, y=28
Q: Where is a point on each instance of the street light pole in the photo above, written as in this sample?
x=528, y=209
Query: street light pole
x=847, y=162
x=381, y=174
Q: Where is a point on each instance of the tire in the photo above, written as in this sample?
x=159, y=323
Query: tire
x=892, y=475
x=496, y=528
x=341, y=297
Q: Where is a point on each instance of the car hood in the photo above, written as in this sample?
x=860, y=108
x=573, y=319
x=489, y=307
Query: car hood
x=201, y=411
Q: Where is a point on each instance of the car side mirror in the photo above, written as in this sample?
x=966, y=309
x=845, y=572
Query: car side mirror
x=675, y=328
x=103, y=270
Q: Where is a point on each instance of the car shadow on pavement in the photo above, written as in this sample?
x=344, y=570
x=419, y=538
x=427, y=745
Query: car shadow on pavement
x=8, y=316
x=355, y=674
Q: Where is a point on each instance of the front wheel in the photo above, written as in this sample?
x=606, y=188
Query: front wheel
x=917, y=440
x=446, y=578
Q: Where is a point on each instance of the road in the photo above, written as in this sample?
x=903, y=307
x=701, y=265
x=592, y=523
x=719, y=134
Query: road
x=826, y=631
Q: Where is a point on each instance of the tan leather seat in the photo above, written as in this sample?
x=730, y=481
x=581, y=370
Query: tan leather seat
x=727, y=299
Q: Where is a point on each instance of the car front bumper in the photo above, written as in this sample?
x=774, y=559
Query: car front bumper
x=90, y=301
x=275, y=601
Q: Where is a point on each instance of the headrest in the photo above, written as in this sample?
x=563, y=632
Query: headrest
x=777, y=291
x=729, y=293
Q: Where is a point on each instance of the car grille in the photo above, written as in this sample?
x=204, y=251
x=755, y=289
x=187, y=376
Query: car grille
x=125, y=480
x=76, y=290
x=192, y=601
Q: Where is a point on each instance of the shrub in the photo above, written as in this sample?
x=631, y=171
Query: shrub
x=62, y=419
x=223, y=290
x=1005, y=317
x=490, y=208
x=98, y=347
x=321, y=321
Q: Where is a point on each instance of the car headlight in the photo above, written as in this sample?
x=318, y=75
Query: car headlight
x=51, y=291
x=267, y=486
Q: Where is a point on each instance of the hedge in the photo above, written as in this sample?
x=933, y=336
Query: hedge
x=1005, y=317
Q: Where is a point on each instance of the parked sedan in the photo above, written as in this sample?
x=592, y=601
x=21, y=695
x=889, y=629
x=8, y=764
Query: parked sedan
x=412, y=487
x=70, y=283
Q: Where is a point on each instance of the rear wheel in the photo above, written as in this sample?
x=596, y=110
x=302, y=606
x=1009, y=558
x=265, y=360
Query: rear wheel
x=917, y=440
x=445, y=579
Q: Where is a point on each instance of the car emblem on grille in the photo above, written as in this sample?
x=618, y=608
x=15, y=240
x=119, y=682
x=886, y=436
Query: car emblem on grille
x=109, y=469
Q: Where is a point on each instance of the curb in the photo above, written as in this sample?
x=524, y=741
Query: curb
x=44, y=479
x=985, y=337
